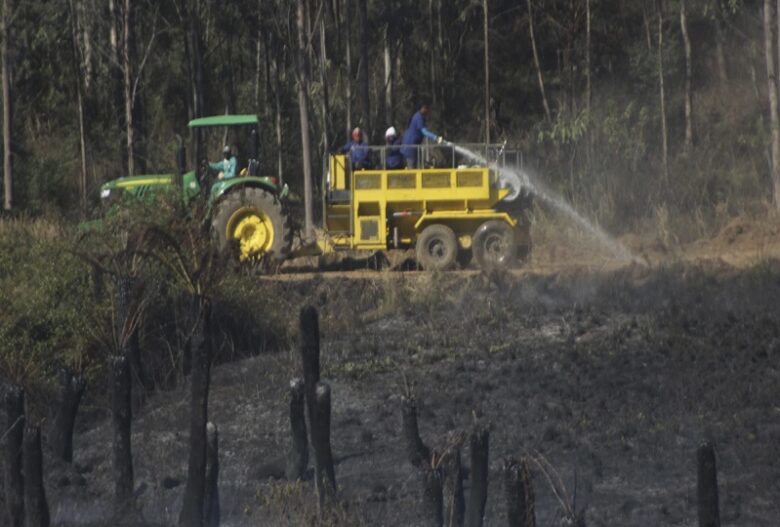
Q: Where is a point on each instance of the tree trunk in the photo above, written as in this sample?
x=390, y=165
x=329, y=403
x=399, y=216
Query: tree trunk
x=418, y=454
x=432, y=53
x=480, y=444
x=588, y=87
x=455, y=504
x=195, y=44
x=8, y=164
x=115, y=67
x=432, y=513
x=70, y=397
x=298, y=457
x=775, y=22
x=211, y=512
x=324, y=472
x=36, y=509
x=486, y=28
x=647, y=26
x=78, y=61
x=520, y=500
x=121, y=418
x=195, y=490
x=365, y=68
x=707, y=487
x=662, y=93
x=774, y=118
x=537, y=65
x=388, y=38
x=720, y=37
x=13, y=402
x=303, y=104
x=127, y=69
x=325, y=92
x=348, y=64
x=688, y=145
x=259, y=39
x=278, y=118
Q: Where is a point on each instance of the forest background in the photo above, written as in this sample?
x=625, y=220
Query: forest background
x=642, y=113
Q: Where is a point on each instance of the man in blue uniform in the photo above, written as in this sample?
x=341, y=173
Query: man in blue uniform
x=358, y=151
x=226, y=168
x=394, y=160
x=414, y=135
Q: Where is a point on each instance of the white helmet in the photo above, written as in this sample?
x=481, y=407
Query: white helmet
x=391, y=132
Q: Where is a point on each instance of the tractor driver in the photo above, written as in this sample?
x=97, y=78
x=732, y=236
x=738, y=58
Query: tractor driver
x=226, y=168
x=414, y=134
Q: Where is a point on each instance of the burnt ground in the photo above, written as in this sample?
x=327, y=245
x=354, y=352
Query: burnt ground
x=614, y=378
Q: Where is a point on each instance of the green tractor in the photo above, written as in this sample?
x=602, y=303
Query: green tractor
x=249, y=209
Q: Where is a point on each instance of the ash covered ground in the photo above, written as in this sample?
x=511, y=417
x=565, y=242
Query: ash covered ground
x=614, y=378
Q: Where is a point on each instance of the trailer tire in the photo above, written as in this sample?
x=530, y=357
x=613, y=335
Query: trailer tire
x=494, y=245
x=437, y=248
x=255, y=220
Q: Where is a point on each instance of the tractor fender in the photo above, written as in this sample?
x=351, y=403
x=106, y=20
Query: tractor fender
x=220, y=188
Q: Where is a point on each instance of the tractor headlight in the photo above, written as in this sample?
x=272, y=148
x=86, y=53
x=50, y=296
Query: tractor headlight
x=105, y=193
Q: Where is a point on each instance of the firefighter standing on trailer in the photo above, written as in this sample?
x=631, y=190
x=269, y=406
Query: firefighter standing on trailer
x=357, y=149
x=414, y=134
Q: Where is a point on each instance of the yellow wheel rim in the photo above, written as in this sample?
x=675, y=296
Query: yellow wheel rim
x=253, y=230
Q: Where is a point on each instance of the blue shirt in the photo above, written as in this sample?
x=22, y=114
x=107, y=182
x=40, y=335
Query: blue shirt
x=226, y=166
x=358, y=153
x=393, y=157
x=414, y=135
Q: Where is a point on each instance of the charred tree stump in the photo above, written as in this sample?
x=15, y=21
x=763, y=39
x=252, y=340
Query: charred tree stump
x=121, y=420
x=36, y=509
x=134, y=351
x=707, y=486
x=455, y=504
x=13, y=401
x=298, y=457
x=324, y=473
x=72, y=388
x=417, y=452
x=432, y=496
x=194, y=492
x=480, y=442
x=310, y=353
x=211, y=513
x=127, y=330
x=520, y=501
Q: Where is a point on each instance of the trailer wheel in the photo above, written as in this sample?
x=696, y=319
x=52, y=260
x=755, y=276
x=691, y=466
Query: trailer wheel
x=255, y=219
x=437, y=248
x=494, y=245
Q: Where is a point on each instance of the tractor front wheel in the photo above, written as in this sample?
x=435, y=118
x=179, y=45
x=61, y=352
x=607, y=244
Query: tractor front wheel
x=494, y=245
x=255, y=220
x=437, y=248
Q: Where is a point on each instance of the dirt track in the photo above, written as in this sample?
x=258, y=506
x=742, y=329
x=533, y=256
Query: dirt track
x=612, y=373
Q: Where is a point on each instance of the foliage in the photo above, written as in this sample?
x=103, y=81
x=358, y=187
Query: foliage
x=435, y=48
x=42, y=323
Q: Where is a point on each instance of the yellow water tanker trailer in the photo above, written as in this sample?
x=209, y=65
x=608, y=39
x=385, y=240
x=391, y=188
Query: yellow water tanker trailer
x=447, y=215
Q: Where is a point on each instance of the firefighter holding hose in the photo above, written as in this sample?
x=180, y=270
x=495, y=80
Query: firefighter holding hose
x=415, y=133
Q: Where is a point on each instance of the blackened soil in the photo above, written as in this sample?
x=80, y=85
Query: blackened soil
x=609, y=380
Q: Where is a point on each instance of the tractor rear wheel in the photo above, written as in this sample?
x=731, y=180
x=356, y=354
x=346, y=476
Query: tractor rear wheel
x=255, y=220
x=437, y=248
x=494, y=245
